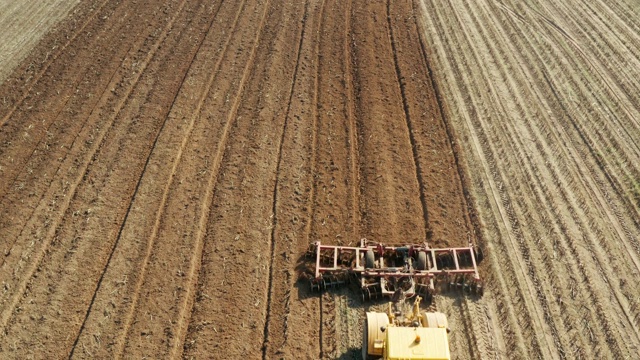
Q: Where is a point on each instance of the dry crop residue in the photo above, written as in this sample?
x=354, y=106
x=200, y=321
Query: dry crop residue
x=22, y=26
x=544, y=98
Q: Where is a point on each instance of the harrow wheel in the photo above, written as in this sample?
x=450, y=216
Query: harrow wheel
x=479, y=253
x=421, y=263
x=369, y=260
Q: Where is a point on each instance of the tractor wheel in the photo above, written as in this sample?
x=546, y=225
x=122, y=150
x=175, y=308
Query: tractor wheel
x=434, y=320
x=372, y=331
x=369, y=260
x=421, y=264
x=479, y=253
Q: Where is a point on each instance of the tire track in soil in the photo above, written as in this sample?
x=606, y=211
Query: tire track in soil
x=21, y=165
x=599, y=70
x=103, y=148
x=409, y=124
x=490, y=313
x=484, y=345
x=295, y=203
x=626, y=165
x=21, y=288
x=21, y=225
x=327, y=331
x=604, y=143
x=201, y=338
x=515, y=232
x=542, y=295
x=471, y=215
x=454, y=226
x=118, y=351
x=529, y=163
x=66, y=131
x=185, y=314
x=410, y=131
x=273, y=244
x=407, y=102
x=34, y=80
x=196, y=114
x=389, y=190
x=327, y=305
x=514, y=329
x=352, y=141
x=337, y=203
x=171, y=340
x=576, y=196
x=132, y=254
x=532, y=256
x=595, y=195
x=623, y=130
x=534, y=233
x=89, y=178
x=32, y=160
x=349, y=308
x=354, y=88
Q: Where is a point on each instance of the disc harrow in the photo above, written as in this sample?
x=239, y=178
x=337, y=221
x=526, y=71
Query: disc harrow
x=396, y=271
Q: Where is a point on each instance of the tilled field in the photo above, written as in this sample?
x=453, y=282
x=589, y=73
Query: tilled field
x=164, y=166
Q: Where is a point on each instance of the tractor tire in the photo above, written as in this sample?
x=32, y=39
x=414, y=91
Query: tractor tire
x=369, y=260
x=421, y=263
x=479, y=254
x=435, y=320
x=373, y=331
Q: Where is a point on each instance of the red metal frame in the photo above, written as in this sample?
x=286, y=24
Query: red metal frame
x=333, y=262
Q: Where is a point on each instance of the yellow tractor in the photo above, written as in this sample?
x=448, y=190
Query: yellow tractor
x=399, y=272
x=415, y=335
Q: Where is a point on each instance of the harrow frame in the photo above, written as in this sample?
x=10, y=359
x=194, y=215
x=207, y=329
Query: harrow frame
x=385, y=270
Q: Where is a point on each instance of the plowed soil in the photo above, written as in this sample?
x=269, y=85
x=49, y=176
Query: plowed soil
x=164, y=166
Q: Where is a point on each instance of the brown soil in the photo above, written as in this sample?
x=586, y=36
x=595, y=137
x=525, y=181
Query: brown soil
x=165, y=167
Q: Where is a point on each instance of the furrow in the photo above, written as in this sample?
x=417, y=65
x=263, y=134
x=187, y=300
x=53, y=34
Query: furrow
x=274, y=211
x=520, y=252
x=510, y=131
x=159, y=212
x=409, y=125
x=195, y=115
x=534, y=174
x=84, y=165
x=584, y=179
x=352, y=139
x=513, y=330
x=196, y=259
x=471, y=215
x=53, y=129
x=238, y=223
x=49, y=61
x=22, y=225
